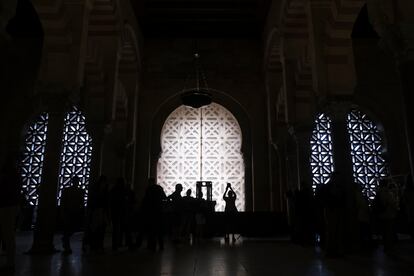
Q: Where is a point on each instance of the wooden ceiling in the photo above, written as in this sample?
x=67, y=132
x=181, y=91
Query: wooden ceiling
x=201, y=18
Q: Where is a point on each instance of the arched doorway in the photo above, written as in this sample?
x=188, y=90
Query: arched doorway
x=202, y=144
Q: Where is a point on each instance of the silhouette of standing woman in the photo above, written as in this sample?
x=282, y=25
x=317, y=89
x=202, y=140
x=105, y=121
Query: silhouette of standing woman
x=72, y=212
x=152, y=207
x=229, y=197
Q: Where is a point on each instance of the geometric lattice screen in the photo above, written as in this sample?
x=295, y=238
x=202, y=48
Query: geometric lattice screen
x=76, y=152
x=31, y=165
x=366, y=151
x=202, y=144
x=321, y=160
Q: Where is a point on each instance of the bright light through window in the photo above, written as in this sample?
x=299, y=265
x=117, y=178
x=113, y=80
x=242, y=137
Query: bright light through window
x=202, y=144
x=366, y=150
x=33, y=157
x=321, y=151
x=76, y=153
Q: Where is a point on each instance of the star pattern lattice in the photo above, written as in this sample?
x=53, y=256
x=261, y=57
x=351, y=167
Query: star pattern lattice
x=31, y=165
x=76, y=152
x=368, y=164
x=321, y=159
x=204, y=142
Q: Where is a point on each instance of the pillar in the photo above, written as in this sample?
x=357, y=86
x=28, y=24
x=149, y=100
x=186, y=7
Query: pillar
x=406, y=69
x=397, y=38
x=47, y=209
x=405, y=63
x=97, y=132
x=338, y=112
x=303, y=136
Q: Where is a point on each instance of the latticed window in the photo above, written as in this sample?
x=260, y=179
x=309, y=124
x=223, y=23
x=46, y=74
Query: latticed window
x=32, y=160
x=366, y=150
x=202, y=144
x=76, y=152
x=321, y=151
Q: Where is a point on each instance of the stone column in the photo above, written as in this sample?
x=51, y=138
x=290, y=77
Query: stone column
x=405, y=63
x=7, y=12
x=338, y=112
x=406, y=69
x=47, y=208
x=318, y=12
x=292, y=160
x=281, y=167
x=97, y=132
x=303, y=136
x=397, y=38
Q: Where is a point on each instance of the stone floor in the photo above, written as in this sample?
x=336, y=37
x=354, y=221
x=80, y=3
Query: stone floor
x=246, y=257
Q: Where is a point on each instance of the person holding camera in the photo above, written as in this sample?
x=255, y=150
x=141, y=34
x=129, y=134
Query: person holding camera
x=229, y=197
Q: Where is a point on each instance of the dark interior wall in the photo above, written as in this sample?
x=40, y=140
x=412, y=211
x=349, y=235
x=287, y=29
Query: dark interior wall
x=232, y=66
x=20, y=55
x=378, y=91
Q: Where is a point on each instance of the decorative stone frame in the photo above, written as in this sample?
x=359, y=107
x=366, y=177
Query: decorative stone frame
x=238, y=112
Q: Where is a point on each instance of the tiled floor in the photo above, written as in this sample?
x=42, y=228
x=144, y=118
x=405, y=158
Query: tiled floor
x=248, y=257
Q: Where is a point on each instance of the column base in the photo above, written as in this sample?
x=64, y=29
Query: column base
x=42, y=248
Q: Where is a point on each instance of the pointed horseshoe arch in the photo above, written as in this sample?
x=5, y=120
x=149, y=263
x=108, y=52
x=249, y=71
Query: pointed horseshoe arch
x=238, y=113
x=202, y=144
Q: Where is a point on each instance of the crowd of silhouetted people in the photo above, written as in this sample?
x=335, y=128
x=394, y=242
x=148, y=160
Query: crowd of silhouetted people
x=113, y=208
x=338, y=216
x=341, y=218
x=132, y=224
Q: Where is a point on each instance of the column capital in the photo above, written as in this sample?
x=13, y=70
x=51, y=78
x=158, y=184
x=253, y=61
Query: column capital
x=7, y=12
x=397, y=35
x=87, y=3
x=338, y=110
x=407, y=31
x=98, y=130
x=54, y=98
x=320, y=3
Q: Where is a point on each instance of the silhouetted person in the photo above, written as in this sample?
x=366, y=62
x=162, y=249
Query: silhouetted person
x=305, y=210
x=200, y=217
x=118, y=199
x=130, y=226
x=335, y=215
x=230, y=210
x=320, y=220
x=363, y=218
x=189, y=205
x=97, y=215
x=408, y=199
x=386, y=211
x=152, y=207
x=176, y=216
x=290, y=201
x=188, y=194
x=10, y=185
x=72, y=203
x=176, y=195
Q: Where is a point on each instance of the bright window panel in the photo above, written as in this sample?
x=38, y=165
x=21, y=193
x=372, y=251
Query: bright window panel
x=76, y=152
x=32, y=159
x=321, y=160
x=202, y=144
x=368, y=164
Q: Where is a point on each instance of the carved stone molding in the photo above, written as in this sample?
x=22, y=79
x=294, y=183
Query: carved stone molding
x=338, y=110
x=7, y=12
x=53, y=98
x=397, y=37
